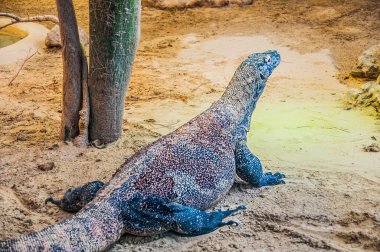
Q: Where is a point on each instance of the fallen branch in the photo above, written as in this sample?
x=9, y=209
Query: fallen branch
x=23, y=63
x=17, y=19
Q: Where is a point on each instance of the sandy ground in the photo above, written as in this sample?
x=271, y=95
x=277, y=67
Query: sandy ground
x=185, y=60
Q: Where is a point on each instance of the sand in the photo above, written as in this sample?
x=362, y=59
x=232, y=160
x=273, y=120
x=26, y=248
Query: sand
x=300, y=127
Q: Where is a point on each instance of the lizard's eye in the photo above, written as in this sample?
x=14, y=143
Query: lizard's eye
x=267, y=59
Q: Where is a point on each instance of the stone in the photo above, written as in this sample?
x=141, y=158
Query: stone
x=367, y=96
x=181, y=4
x=353, y=93
x=372, y=148
x=368, y=64
x=46, y=167
x=53, y=38
x=241, y=2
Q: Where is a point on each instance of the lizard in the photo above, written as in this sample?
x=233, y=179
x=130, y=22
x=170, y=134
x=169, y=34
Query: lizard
x=168, y=185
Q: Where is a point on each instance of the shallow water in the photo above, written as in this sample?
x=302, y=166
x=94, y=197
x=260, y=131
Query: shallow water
x=7, y=39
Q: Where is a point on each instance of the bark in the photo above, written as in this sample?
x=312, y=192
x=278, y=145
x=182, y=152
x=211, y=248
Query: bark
x=84, y=115
x=114, y=33
x=72, y=70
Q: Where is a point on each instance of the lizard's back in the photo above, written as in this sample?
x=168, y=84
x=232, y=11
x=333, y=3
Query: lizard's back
x=193, y=166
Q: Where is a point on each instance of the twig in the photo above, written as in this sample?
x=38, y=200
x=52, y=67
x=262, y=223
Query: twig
x=195, y=89
x=163, y=126
x=17, y=19
x=23, y=63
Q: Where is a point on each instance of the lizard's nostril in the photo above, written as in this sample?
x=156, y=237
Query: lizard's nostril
x=262, y=76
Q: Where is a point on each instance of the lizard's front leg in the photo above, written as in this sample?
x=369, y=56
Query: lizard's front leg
x=149, y=212
x=249, y=168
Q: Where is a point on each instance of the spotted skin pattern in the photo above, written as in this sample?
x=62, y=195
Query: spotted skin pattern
x=167, y=185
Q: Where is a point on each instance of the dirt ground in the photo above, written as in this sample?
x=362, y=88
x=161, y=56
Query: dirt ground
x=184, y=62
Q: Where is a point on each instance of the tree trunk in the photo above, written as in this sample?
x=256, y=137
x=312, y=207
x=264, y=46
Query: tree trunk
x=72, y=70
x=114, y=32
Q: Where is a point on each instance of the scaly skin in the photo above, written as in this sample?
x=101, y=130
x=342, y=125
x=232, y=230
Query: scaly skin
x=167, y=185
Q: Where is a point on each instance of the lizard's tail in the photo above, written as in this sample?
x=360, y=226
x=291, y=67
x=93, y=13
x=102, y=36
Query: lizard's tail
x=95, y=228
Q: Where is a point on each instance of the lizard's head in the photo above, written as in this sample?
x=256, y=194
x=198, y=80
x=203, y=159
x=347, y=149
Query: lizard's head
x=264, y=62
x=263, y=65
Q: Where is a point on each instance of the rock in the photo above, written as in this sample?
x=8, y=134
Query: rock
x=181, y=4
x=98, y=144
x=150, y=120
x=241, y=2
x=368, y=64
x=53, y=38
x=372, y=148
x=353, y=94
x=46, y=167
x=54, y=147
x=368, y=96
x=367, y=86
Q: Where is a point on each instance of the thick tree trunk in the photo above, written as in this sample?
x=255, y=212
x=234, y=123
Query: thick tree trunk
x=114, y=32
x=72, y=70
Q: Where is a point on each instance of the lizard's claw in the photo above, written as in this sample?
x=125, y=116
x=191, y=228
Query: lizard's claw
x=269, y=179
x=54, y=201
x=279, y=175
x=231, y=222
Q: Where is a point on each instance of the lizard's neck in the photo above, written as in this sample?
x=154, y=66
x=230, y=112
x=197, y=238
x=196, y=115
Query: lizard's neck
x=240, y=98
